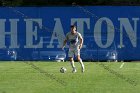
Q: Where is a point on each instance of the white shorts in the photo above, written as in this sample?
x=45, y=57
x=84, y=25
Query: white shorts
x=73, y=52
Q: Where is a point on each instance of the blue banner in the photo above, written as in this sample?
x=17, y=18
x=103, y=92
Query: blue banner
x=37, y=33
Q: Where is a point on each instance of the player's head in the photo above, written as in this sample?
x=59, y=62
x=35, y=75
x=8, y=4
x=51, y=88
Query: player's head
x=73, y=29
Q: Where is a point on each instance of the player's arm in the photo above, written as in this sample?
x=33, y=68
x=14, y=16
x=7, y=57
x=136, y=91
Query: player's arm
x=81, y=41
x=65, y=41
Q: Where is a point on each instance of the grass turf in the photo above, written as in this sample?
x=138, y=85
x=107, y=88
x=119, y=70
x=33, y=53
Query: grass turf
x=44, y=77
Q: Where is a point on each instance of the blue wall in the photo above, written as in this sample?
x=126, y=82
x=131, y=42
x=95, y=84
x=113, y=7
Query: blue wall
x=37, y=33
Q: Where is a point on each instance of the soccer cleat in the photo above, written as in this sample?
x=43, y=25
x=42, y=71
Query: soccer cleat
x=74, y=70
x=83, y=69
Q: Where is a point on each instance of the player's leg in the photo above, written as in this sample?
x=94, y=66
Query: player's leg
x=72, y=64
x=71, y=54
x=81, y=62
x=77, y=53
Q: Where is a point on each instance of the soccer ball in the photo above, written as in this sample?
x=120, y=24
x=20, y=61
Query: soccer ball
x=63, y=69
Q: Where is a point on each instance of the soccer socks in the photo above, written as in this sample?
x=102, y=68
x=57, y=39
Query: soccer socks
x=73, y=66
x=82, y=65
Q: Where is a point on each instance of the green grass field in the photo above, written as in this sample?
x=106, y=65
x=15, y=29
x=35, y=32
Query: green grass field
x=44, y=77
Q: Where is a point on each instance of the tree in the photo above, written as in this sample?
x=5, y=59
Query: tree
x=11, y=2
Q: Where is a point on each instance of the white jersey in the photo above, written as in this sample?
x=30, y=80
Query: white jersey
x=73, y=39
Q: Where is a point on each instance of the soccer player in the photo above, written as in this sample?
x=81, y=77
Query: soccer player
x=76, y=41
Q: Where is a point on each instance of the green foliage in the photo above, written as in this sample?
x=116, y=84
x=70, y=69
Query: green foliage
x=11, y=2
x=66, y=2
